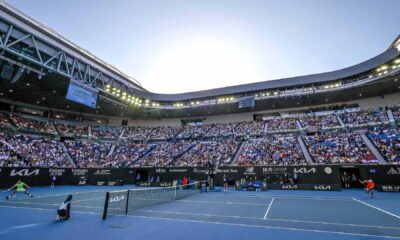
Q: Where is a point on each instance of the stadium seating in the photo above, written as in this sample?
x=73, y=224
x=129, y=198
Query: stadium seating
x=365, y=117
x=196, y=145
x=193, y=132
x=4, y=122
x=126, y=154
x=164, y=133
x=396, y=113
x=221, y=130
x=323, y=122
x=32, y=125
x=71, y=130
x=106, y=132
x=137, y=133
x=31, y=151
x=219, y=152
x=388, y=143
x=281, y=125
x=164, y=153
x=338, y=148
x=278, y=150
x=88, y=154
x=250, y=128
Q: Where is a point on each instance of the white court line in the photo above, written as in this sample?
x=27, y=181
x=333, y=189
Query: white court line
x=282, y=196
x=66, y=194
x=44, y=204
x=233, y=203
x=199, y=214
x=26, y=226
x=269, y=207
x=379, y=209
x=88, y=199
x=230, y=224
x=332, y=223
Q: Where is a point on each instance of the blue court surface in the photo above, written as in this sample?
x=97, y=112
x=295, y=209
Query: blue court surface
x=233, y=215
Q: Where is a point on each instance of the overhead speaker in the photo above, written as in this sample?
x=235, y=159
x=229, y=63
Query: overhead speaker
x=17, y=75
x=7, y=72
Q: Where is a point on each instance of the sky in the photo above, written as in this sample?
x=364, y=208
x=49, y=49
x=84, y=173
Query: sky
x=174, y=46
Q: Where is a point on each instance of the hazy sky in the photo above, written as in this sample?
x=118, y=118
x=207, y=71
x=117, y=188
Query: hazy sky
x=173, y=46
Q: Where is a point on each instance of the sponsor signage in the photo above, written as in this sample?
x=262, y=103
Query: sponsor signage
x=79, y=172
x=102, y=172
x=322, y=187
x=161, y=170
x=389, y=188
x=316, y=187
x=305, y=170
x=393, y=171
x=56, y=172
x=286, y=186
x=154, y=184
x=249, y=171
x=178, y=170
x=117, y=198
x=26, y=172
x=274, y=170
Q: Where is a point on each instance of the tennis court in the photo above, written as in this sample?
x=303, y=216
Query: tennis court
x=214, y=215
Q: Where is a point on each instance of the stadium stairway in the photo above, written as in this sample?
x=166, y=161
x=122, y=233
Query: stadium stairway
x=11, y=121
x=340, y=121
x=265, y=129
x=111, y=150
x=55, y=127
x=67, y=154
x=391, y=118
x=372, y=147
x=144, y=154
x=184, y=151
x=148, y=136
x=238, y=152
x=90, y=131
x=299, y=125
x=122, y=134
x=304, y=150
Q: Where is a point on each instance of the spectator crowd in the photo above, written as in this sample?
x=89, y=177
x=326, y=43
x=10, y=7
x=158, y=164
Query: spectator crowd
x=272, y=141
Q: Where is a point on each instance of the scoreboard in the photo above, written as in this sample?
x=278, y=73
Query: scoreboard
x=83, y=94
x=246, y=102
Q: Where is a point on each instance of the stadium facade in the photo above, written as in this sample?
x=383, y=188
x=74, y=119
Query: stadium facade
x=38, y=65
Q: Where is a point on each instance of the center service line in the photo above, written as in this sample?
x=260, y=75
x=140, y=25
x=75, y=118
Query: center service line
x=269, y=207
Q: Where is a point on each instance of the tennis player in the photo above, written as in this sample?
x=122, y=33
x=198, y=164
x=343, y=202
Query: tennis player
x=225, y=180
x=63, y=212
x=369, y=186
x=53, y=181
x=19, y=187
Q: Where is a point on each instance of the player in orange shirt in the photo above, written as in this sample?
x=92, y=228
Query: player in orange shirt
x=369, y=186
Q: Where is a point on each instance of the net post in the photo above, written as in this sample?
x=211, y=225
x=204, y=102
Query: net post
x=106, y=205
x=127, y=203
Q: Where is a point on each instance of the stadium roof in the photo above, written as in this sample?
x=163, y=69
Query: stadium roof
x=52, y=88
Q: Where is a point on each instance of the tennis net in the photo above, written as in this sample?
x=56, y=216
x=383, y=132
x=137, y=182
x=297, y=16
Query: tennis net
x=126, y=201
